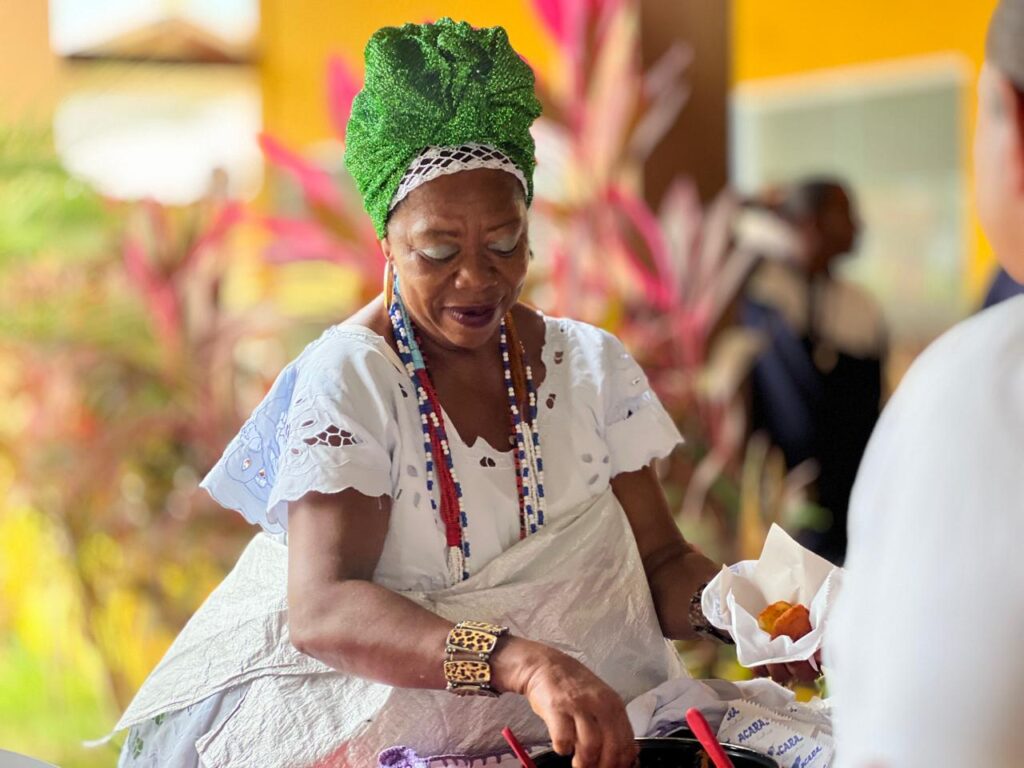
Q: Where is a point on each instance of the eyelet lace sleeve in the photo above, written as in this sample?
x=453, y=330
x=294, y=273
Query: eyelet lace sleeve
x=324, y=426
x=637, y=427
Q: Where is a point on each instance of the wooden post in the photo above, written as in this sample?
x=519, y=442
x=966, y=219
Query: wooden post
x=697, y=145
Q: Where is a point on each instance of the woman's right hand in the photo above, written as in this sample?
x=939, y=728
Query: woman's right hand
x=584, y=716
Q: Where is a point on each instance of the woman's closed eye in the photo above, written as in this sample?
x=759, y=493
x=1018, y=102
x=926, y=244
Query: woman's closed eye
x=505, y=246
x=439, y=252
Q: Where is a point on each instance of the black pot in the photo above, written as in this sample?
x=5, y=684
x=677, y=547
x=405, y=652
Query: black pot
x=671, y=752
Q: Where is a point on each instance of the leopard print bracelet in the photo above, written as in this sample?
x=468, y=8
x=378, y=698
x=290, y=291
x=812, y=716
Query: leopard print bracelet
x=477, y=640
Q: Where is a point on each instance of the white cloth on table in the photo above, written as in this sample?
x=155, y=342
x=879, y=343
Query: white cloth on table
x=344, y=415
x=578, y=584
x=923, y=649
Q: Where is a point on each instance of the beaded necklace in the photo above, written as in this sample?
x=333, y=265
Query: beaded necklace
x=529, y=464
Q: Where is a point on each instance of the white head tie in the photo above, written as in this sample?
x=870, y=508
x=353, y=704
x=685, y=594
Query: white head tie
x=441, y=161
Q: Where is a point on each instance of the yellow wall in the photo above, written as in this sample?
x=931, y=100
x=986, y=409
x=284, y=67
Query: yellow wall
x=773, y=38
x=29, y=72
x=783, y=37
x=299, y=36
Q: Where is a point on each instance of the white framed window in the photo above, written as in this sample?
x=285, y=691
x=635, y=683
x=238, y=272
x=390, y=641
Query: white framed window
x=897, y=132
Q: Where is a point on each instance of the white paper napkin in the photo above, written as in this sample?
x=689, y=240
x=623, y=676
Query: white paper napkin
x=785, y=571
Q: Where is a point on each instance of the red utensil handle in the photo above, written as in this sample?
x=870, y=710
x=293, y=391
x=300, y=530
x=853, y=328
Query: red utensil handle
x=707, y=738
x=518, y=748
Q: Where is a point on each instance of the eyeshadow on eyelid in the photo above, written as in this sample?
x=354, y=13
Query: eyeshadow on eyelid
x=438, y=254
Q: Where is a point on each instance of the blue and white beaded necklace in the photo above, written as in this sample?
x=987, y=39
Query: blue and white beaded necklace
x=440, y=468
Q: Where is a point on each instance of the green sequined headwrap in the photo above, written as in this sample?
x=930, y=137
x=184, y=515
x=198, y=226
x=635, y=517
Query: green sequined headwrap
x=441, y=84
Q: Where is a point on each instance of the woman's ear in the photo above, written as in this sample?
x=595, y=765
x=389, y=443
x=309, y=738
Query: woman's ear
x=1015, y=99
x=385, y=247
x=1007, y=107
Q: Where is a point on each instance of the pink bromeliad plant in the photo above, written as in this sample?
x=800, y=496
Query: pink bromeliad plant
x=665, y=280
x=330, y=225
x=603, y=115
x=125, y=378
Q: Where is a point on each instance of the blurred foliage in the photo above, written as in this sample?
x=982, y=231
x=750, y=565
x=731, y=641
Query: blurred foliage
x=123, y=376
x=54, y=682
x=43, y=211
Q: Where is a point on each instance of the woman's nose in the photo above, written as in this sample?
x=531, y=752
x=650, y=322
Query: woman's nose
x=476, y=271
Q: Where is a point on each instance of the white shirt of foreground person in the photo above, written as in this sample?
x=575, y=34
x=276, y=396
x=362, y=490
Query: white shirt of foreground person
x=925, y=646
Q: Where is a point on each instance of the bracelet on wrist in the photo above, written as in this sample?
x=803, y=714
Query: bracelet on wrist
x=467, y=662
x=699, y=622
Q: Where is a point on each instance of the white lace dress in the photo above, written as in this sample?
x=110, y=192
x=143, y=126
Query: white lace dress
x=344, y=415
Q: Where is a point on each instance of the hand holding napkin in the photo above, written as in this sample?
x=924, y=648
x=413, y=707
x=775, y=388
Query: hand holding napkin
x=785, y=571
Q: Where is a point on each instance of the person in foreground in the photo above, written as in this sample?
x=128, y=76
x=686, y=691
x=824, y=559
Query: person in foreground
x=924, y=647
x=457, y=492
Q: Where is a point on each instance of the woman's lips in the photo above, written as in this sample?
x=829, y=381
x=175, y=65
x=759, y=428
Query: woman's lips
x=472, y=317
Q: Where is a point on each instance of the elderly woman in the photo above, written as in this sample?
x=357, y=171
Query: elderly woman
x=464, y=485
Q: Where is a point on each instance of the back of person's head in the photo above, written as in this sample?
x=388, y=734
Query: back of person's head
x=821, y=208
x=808, y=198
x=999, y=141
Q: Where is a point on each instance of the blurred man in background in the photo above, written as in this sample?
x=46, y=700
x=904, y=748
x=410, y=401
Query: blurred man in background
x=816, y=387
